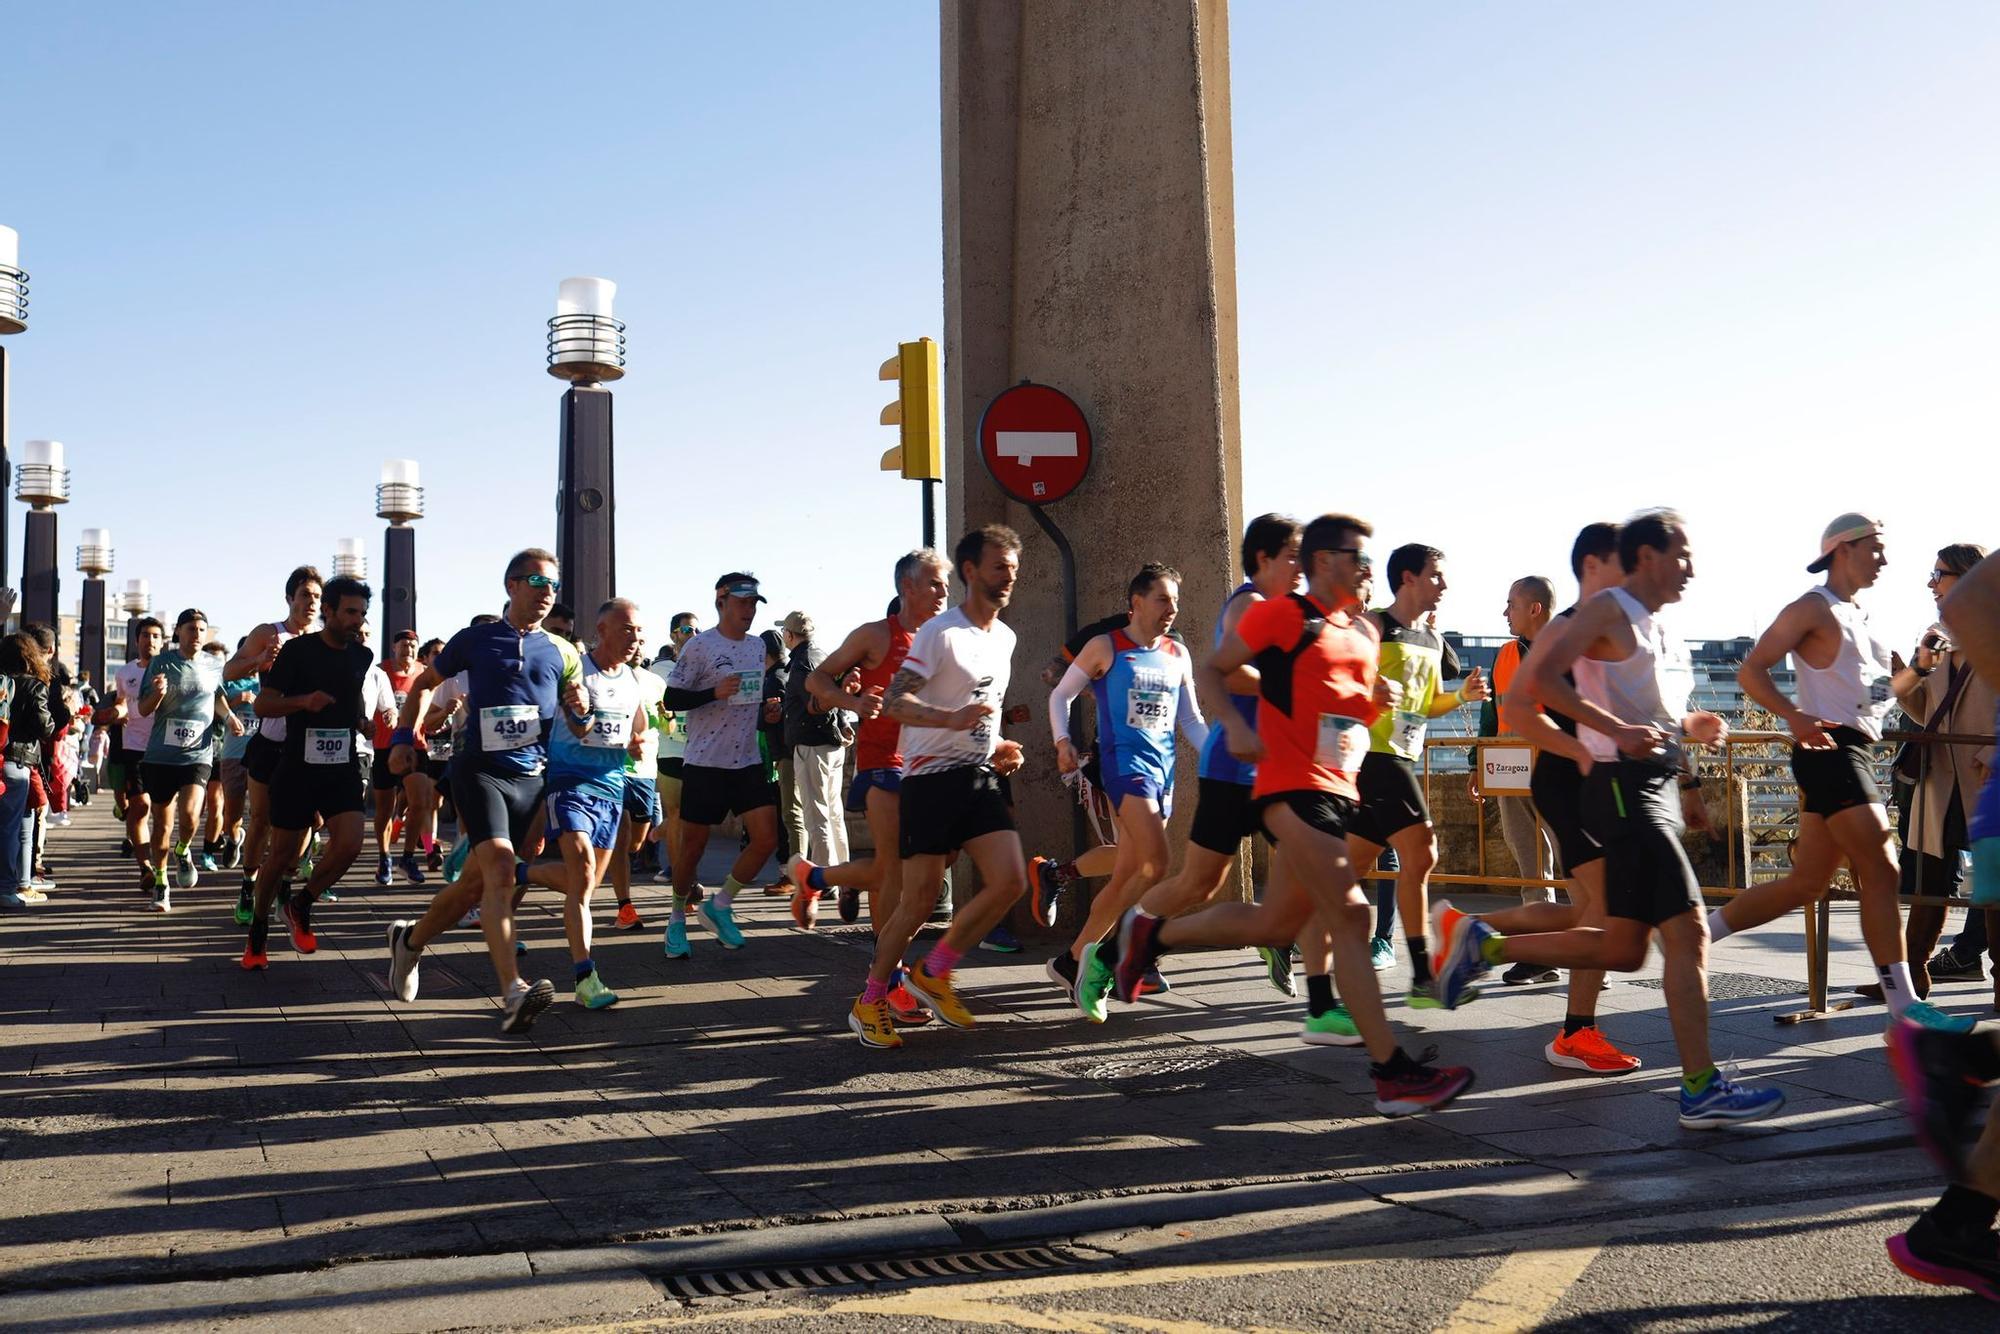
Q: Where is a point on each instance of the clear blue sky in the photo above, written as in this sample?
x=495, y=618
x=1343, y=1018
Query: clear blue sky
x=1503, y=269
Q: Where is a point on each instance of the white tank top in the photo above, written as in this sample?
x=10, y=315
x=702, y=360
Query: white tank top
x=1651, y=687
x=1854, y=690
x=273, y=729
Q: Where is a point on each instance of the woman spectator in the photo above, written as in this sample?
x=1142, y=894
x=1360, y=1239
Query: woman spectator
x=29, y=725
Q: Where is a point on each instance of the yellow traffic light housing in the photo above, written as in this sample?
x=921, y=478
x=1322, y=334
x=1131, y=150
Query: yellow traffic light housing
x=916, y=412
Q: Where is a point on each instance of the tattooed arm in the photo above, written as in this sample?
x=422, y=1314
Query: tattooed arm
x=902, y=704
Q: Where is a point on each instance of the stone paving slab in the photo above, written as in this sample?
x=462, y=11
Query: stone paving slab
x=169, y=1116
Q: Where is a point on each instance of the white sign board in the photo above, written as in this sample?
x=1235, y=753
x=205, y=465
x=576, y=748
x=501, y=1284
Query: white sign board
x=1504, y=770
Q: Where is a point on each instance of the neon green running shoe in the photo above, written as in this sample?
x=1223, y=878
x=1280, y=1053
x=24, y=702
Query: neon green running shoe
x=1335, y=1028
x=592, y=994
x=1094, y=980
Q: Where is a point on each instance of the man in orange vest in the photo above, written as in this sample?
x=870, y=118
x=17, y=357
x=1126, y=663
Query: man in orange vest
x=1530, y=603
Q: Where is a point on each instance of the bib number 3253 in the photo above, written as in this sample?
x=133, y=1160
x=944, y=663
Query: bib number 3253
x=509, y=727
x=1149, y=710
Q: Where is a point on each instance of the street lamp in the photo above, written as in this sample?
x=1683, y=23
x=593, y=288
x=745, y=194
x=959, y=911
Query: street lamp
x=136, y=601
x=95, y=559
x=43, y=483
x=348, y=559
x=400, y=500
x=586, y=348
x=13, y=320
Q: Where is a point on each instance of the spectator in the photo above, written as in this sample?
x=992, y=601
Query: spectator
x=818, y=745
x=29, y=725
x=771, y=736
x=1529, y=607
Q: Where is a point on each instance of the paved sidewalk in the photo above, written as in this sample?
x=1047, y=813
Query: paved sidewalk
x=168, y=1115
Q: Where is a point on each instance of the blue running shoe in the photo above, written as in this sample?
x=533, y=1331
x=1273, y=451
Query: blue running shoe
x=1460, y=962
x=1926, y=1015
x=1000, y=941
x=1048, y=889
x=677, y=940
x=382, y=871
x=412, y=869
x=723, y=922
x=1724, y=1103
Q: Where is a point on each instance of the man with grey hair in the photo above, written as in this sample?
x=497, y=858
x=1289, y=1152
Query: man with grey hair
x=817, y=742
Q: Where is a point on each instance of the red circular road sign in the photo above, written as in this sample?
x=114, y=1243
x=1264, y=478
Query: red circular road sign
x=1036, y=443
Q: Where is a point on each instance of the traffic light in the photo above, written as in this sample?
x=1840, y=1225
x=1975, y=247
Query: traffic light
x=920, y=455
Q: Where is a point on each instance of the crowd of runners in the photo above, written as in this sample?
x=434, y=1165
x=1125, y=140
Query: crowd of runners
x=563, y=754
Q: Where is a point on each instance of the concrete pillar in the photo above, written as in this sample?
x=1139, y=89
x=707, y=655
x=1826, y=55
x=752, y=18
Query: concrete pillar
x=398, y=594
x=586, y=533
x=1089, y=229
x=90, y=632
x=41, y=582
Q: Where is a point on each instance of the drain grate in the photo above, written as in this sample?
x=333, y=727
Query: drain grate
x=1734, y=986
x=1208, y=1072
x=787, y=1278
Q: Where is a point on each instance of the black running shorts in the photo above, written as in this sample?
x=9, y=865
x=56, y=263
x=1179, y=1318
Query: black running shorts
x=492, y=805
x=941, y=812
x=1391, y=798
x=300, y=791
x=1831, y=781
x=1328, y=812
x=261, y=756
x=1223, y=817
x=1635, y=811
x=710, y=795
x=1556, y=788
x=162, y=781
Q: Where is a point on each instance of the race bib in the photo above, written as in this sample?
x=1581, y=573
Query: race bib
x=749, y=689
x=1406, y=732
x=438, y=745
x=1149, y=710
x=1879, y=692
x=327, y=745
x=1343, y=741
x=400, y=695
x=609, y=729
x=185, y=733
x=509, y=727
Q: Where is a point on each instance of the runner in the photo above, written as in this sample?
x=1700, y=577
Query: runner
x=1315, y=655
x=180, y=696
x=316, y=682
x=1393, y=812
x=718, y=682
x=1953, y=1243
x=1222, y=815
x=642, y=790
x=148, y=635
x=603, y=723
x=871, y=656
x=1844, y=674
x=1144, y=688
x=241, y=692
x=947, y=696
x=400, y=668
x=261, y=755
x=515, y=675
x=420, y=786
x=1632, y=683
x=673, y=755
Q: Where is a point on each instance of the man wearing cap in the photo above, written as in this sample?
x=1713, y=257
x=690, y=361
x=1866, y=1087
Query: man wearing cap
x=1844, y=671
x=717, y=684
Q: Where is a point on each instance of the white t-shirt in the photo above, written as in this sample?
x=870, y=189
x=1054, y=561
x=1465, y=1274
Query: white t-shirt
x=378, y=696
x=961, y=664
x=673, y=737
x=439, y=744
x=138, y=727
x=723, y=734
x=652, y=686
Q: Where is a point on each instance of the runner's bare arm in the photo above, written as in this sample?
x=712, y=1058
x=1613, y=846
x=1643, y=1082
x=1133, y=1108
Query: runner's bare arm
x=902, y=704
x=1242, y=681
x=252, y=656
x=1784, y=636
x=1521, y=713
x=1596, y=620
x=863, y=645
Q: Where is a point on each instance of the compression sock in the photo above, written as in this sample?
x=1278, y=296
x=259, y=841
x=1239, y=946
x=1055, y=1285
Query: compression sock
x=1420, y=961
x=1718, y=929
x=875, y=992
x=941, y=960
x=1319, y=994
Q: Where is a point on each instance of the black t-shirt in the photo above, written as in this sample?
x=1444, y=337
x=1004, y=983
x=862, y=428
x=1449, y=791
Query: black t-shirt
x=306, y=664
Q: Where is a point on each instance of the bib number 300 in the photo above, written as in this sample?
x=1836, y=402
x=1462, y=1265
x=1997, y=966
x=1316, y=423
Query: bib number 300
x=509, y=727
x=327, y=745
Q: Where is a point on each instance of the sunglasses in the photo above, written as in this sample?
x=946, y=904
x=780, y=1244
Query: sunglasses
x=1361, y=558
x=541, y=581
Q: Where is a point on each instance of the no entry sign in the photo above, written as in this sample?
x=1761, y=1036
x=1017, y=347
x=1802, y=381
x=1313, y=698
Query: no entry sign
x=1036, y=443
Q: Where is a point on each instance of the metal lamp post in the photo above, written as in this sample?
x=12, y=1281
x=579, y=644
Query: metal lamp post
x=400, y=500
x=94, y=559
x=348, y=558
x=136, y=601
x=42, y=482
x=586, y=348
x=13, y=320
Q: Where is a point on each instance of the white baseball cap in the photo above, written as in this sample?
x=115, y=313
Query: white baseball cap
x=1847, y=528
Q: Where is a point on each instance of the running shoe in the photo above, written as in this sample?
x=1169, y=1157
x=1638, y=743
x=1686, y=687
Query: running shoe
x=805, y=907
x=676, y=943
x=206, y=862
x=1939, y=1093
x=1381, y=953
x=799, y=871
x=524, y=1004
x=1048, y=889
x=628, y=918
x=254, y=960
x=412, y=869
x=1138, y=951
x=1926, y=1015
x=520, y=948
x=1419, y=1086
x=246, y=905
x=1062, y=972
x=454, y=864
x=1424, y=996
x=1529, y=974
x=850, y=904
x=329, y=895
x=1459, y=937
x=183, y=871
x=124, y=846
x=163, y=898
x=298, y=920
x=471, y=918
x=1928, y=1254
x=873, y=1024
x=905, y=1009
x=1000, y=941
x=937, y=996
x=1154, y=983
x=1724, y=1103
x=592, y=994
x=255, y=947
x=722, y=921
x=382, y=876
x=1278, y=968
x=402, y=962
x=1335, y=1028
x=307, y=864
x=1588, y=1049
x=147, y=886
x=1093, y=985
x=235, y=854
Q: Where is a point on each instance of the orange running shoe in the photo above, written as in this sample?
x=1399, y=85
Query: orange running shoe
x=628, y=918
x=805, y=907
x=1588, y=1049
x=254, y=959
x=905, y=1009
x=298, y=917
